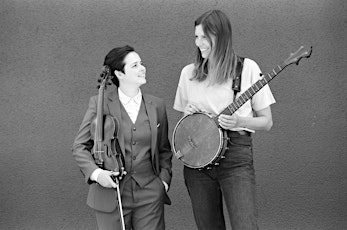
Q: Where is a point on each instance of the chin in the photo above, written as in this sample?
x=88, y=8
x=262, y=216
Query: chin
x=204, y=55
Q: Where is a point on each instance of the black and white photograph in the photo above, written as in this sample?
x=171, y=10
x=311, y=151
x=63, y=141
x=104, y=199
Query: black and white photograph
x=173, y=114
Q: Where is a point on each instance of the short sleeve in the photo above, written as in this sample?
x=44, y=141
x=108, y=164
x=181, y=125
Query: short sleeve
x=264, y=97
x=181, y=98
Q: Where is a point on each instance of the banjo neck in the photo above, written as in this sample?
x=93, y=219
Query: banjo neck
x=245, y=96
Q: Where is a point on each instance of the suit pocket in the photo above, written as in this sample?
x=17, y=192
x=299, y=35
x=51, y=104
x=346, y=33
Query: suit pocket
x=102, y=199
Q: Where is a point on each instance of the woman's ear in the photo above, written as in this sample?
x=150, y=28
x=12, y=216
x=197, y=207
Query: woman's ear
x=119, y=74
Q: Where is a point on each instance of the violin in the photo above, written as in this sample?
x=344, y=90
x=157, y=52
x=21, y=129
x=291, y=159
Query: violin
x=104, y=131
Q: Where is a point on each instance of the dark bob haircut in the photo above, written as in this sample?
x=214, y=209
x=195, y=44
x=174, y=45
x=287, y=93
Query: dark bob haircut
x=115, y=60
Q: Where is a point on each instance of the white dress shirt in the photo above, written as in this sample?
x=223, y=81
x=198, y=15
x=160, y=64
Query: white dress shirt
x=131, y=104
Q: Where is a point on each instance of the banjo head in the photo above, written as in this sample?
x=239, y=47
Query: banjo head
x=197, y=140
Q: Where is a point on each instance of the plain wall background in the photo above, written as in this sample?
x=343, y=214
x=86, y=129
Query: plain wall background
x=52, y=53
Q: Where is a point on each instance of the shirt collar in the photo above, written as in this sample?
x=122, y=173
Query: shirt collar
x=126, y=99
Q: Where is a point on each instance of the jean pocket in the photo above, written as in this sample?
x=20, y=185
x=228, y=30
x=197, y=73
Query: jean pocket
x=238, y=154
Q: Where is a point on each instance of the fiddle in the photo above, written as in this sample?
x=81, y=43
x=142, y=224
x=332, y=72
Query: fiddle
x=104, y=131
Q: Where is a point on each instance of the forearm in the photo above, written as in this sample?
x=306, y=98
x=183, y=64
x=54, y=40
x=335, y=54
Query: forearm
x=165, y=162
x=255, y=123
x=261, y=121
x=165, y=153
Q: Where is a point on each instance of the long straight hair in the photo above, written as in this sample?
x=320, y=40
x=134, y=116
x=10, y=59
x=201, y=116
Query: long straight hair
x=221, y=63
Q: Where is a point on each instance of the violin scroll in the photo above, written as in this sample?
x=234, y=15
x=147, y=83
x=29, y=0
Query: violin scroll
x=105, y=77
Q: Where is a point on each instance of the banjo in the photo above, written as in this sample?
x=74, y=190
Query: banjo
x=198, y=140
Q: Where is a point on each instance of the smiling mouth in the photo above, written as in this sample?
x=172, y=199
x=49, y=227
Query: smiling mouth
x=203, y=50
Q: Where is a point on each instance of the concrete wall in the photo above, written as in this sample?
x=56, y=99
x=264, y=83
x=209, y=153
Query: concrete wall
x=51, y=55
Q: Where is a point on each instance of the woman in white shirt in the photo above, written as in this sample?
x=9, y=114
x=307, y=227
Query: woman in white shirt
x=206, y=86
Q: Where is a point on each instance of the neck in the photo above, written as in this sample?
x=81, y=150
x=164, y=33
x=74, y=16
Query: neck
x=130, y=91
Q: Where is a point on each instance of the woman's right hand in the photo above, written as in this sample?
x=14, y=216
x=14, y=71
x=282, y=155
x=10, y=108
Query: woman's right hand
x=105, y=180
x=190, y=109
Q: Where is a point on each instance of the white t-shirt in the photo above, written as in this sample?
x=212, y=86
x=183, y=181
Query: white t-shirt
x=215, y=98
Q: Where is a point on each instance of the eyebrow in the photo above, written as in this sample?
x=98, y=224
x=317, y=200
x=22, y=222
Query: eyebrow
x=135, y=62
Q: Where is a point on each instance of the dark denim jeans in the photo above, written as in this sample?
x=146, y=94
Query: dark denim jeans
x=233, y=179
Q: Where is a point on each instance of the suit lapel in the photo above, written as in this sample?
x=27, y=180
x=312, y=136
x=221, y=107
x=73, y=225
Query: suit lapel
x=152, y=116
x=113, y=104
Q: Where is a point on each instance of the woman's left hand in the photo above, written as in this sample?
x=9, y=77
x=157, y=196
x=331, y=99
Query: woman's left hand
x=228, y=121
